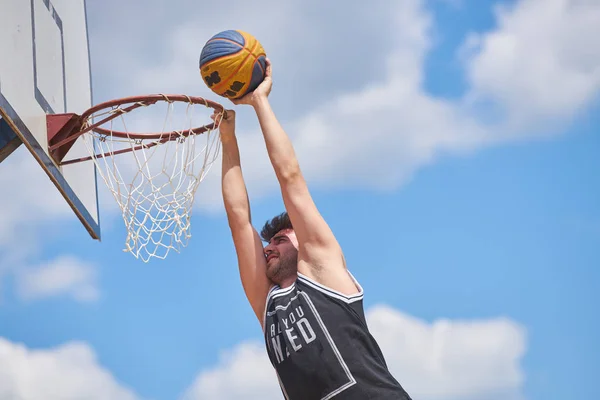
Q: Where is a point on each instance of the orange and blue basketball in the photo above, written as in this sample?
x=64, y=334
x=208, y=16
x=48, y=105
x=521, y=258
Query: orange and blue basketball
x=233, y=63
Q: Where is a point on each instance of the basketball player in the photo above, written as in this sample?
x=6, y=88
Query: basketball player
x=309, y=305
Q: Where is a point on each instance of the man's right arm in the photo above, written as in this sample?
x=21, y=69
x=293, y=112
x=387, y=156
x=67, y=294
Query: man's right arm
x=248, y=245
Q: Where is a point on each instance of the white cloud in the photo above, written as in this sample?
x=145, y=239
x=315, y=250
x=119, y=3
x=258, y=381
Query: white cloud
x=243, y=372
x=449, y=359
x=443, y=360
x=542, y=63
x=67, y=372
x=35, y=203
x=65, y=275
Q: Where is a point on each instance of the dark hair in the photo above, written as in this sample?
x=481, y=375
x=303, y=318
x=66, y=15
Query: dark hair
x=278, y=223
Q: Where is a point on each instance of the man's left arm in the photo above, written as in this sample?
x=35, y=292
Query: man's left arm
x=320, y=255
x=319, y=248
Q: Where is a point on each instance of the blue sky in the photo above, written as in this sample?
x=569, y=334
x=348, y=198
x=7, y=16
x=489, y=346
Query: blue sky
x=452, y=149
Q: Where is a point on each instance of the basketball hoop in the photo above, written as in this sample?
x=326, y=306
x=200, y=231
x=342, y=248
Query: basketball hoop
x=152, y=176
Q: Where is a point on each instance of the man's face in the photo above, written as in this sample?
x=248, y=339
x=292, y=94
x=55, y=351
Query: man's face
x=282, y=256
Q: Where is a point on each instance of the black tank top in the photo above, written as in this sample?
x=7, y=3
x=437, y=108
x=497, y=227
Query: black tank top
x=319, y=343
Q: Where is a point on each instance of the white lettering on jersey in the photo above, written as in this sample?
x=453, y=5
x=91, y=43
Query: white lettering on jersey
x=294, y=323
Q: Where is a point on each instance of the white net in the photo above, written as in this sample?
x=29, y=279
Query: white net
x=155, y=183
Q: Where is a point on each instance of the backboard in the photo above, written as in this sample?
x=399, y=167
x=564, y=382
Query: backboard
x=45, y=69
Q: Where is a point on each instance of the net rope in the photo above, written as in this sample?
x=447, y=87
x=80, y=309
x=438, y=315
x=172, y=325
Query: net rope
x=155, y=183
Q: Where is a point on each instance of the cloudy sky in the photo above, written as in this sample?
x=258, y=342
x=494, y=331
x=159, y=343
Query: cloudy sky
x=452, y=145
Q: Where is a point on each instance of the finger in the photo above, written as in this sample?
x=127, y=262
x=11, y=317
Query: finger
x=269, y=70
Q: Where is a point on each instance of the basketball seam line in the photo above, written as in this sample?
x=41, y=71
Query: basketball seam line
x=227, y=40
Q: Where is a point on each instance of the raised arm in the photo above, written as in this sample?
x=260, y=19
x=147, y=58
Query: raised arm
x=248, y=245
x=319, y=254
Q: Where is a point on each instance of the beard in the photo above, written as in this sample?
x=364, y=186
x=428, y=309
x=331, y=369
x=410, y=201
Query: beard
x=283, y=267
